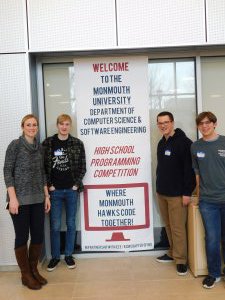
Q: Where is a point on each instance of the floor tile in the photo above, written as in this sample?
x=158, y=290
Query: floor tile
x=117, y=278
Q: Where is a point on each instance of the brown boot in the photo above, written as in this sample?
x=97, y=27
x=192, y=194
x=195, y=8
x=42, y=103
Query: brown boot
x=34, y=254
x=23, y=263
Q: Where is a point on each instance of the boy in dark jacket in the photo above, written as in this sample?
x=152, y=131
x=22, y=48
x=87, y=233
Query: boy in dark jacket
x=175, y=182
x=65, y=166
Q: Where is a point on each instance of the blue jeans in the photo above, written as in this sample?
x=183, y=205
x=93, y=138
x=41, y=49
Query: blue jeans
x=213, y=216
x=69, y=197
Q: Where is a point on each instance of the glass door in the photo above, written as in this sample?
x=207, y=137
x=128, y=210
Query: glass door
x=171, y=88
x=59, y=98
x=59, y=94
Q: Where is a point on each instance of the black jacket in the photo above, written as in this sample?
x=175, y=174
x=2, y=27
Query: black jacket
x=174, y=174
x=76, y=153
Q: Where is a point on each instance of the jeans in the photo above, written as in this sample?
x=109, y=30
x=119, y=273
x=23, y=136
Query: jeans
x=69, y=197
x=213, y=216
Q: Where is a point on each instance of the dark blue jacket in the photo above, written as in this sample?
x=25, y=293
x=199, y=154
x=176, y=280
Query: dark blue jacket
x=174, y=174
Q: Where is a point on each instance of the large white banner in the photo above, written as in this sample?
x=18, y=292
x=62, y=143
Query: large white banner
x=113, y=123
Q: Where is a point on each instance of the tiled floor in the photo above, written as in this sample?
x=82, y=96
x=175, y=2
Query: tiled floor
x=119, y=278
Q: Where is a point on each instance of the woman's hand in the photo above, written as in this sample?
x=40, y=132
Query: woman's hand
x=13, y=206
x=13, y=202
x=47, y=199
x=47, y=204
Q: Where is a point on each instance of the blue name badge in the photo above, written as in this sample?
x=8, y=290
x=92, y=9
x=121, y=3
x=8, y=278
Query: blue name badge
x=167, y=152
x=200, y=154
x=58, y=153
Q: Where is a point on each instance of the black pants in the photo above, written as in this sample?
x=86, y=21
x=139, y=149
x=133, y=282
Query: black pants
x=30, y=219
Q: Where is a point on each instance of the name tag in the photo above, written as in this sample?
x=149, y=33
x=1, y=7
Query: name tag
x=200, y=154
x=167, y=152
x=58, y=153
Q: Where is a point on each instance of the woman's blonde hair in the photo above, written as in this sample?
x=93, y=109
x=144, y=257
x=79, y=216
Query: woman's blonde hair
x=63, y=118
x=29, y=116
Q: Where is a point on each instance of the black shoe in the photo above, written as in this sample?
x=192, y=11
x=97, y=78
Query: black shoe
x=209, y=282
x=53, y=264
x=70, y=262
x=164, y=258
x=181, y=269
